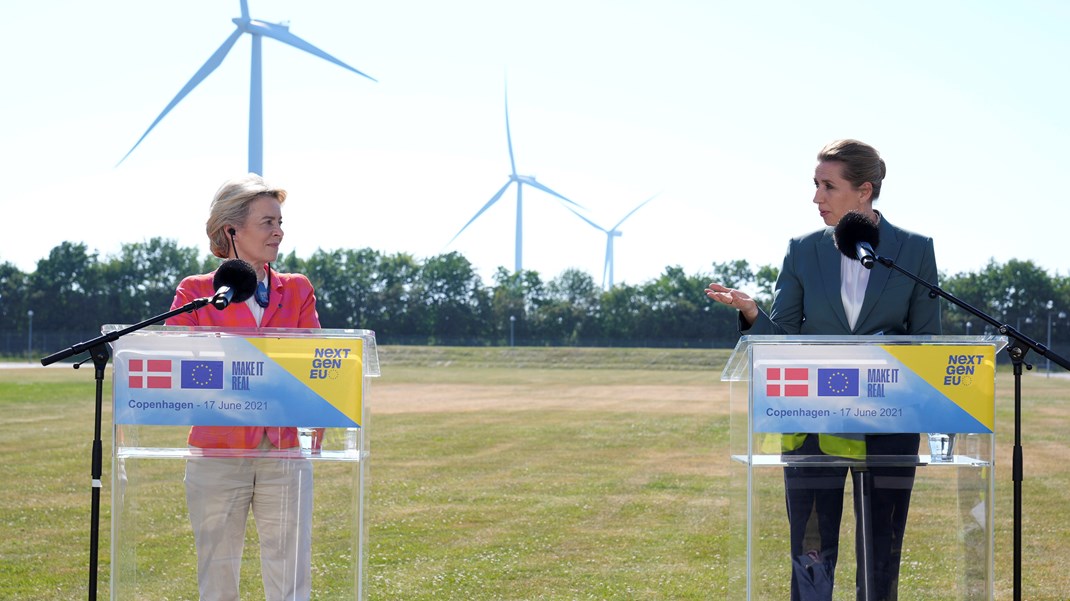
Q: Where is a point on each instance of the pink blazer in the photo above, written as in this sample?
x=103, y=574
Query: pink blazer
x=293, y=305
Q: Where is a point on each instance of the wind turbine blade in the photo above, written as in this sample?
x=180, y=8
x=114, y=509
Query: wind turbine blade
x=593, y=224
x=630, y=213
x=508, y=134
x=490, y=202
x=205, y=70
x=282, y=34
x=245, y=10
x=532, y=182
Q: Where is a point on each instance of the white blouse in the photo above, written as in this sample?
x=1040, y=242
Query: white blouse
x=853, y=281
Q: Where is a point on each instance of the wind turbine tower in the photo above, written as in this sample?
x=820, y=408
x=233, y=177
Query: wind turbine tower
x=257, y=30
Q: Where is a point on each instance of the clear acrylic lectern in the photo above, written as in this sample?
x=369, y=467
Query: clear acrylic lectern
x=194, y=400
x=792, y=394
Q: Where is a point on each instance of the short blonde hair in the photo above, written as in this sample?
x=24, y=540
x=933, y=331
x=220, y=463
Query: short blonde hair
x=230, y=208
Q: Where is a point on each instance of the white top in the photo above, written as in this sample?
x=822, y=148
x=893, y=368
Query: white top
x=853, y=281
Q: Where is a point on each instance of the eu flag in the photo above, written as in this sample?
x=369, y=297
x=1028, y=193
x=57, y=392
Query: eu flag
x=837, y=382
x=202, y=375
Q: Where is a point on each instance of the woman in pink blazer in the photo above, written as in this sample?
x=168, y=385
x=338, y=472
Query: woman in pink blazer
x=245, y=221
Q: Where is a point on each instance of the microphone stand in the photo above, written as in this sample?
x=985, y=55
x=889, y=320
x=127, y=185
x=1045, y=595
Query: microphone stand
x=1019, y=344
x=98, y=352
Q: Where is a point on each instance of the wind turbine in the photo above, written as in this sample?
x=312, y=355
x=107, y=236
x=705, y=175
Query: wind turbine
x=611, y=233
x=256, y=29
x=521, y=181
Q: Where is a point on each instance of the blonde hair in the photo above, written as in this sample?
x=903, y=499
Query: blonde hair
x=230, y=208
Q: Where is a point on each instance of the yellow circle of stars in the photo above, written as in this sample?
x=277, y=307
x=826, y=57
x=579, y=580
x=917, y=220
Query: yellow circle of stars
x=196, y=372
x=842, y=387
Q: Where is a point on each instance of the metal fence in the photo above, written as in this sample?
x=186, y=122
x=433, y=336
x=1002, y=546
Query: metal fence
x=16, y=345
x=21, y=345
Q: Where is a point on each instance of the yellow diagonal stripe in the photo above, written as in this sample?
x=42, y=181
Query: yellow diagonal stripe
x=330, y=367
x=965, y=374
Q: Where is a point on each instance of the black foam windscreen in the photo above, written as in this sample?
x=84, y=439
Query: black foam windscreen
x=239, y=276
x=854, y=229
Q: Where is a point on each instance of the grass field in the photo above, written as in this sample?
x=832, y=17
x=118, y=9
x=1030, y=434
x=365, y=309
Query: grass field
x=500, y=473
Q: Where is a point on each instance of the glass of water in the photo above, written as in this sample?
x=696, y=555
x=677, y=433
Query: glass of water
x=941, y=447
x=309, y=439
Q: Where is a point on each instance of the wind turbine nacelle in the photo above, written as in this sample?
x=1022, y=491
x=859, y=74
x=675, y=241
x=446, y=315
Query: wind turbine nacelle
x=257, y=26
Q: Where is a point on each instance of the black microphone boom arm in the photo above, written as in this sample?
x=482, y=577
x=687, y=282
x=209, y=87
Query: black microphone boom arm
x=86, y=346
x=1005, y=329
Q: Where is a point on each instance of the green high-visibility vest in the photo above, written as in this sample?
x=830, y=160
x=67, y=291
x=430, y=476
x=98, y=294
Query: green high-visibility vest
x=851, y=446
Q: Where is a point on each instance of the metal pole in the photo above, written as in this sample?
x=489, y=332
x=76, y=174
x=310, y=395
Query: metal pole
x=512, y=320
x=1060, y=315
x=29, y=338
x=1047, y=368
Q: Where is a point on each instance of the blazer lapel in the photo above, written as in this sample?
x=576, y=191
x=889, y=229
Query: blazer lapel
x=878, y=276
x=828, y=258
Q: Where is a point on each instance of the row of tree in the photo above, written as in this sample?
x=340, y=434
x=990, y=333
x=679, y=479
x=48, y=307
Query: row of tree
x=442, y=299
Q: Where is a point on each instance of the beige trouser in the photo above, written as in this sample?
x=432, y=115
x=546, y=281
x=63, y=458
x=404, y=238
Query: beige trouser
x=220, y=492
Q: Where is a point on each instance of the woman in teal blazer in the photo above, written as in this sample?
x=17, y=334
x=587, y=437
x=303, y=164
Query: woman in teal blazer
x=821, y=291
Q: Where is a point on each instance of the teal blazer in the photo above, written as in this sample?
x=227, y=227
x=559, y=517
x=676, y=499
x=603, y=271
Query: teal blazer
x=806, y=299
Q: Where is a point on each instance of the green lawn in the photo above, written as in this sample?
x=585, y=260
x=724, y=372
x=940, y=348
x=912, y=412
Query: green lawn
x=500, y=473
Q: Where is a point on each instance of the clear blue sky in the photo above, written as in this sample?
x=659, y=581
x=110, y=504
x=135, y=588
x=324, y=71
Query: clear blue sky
x=718, y=106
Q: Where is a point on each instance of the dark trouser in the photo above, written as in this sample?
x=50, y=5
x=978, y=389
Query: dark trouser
x=814, y=498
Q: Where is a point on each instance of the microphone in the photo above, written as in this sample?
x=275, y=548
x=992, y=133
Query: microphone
x=856, y=236
x=234, y=282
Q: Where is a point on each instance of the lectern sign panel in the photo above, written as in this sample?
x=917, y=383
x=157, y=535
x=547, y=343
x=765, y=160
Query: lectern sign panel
x=873, y=388
x=235, y=381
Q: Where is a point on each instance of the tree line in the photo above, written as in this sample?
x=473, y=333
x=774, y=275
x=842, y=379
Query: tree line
x=443, y=300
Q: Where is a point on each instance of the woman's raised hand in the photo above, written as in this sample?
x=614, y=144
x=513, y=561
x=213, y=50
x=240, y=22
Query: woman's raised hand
x=736, y=299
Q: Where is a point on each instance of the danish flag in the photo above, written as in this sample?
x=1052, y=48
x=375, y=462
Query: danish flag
x=787, y=381
x=150, y=373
